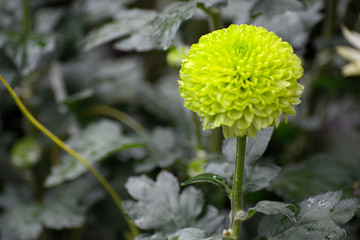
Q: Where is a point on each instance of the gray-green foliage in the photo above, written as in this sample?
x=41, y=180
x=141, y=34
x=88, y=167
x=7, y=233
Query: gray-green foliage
x=128, y=22
x=291, y=20
x=97, y=11
x=192, y=233
x=274, y=7
x=165, y=26
x=323, y=172
x=112, y=81
x=146, y=30
x=162, y=150
x=61, y=208
x=162, y=208
x=214, y=3
x=273, y=208
x=319, y=217
x=256, y=176
x=163, y=100
x=94, y=143
x=26, y=52
x=8, y=14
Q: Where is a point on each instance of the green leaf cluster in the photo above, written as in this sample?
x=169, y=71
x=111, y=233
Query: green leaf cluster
x=256, y=176
x=95, y=143
x=160, y=206
x=319, y=217
x=60, y=209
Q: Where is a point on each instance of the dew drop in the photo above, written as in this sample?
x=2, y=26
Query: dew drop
x=323, y=203
x=311, y=202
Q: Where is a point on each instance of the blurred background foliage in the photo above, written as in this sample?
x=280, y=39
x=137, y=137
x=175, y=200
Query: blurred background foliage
x=102, y=75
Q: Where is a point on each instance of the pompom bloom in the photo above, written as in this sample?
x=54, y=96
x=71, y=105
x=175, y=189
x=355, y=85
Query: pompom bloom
x=241, y=78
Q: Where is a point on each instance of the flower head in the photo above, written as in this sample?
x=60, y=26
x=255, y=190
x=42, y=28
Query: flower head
x=241, y=78
x=351, y=54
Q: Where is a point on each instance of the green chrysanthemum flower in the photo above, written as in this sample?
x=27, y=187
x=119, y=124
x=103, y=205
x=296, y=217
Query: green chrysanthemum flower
x=241, y=78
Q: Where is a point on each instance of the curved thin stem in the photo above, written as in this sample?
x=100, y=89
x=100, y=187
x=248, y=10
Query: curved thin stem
x=73, y=153
x=116, y=114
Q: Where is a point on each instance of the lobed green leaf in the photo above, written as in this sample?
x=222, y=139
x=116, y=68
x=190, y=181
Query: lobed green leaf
x=127, y=23
x=161, y=150
x=166, y=24
x=61, y=208
x=193, y=234
x=276, y=7
x=321, y=172
x=256, y=176
x=26, y=51
x=162, y=208
x=272, y=208
x=214, y=3
x=209, y=178
x=94, y=143
x=161, y=31
x=291, y=20
x=320, y=217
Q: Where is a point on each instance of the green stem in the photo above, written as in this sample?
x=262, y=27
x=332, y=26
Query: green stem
x=236, y=192
x=214, y=16
x=198, y=132
x=36, y=183
x=73, y=153
x=330, y=19
x=26, y=23
x=216, y=140
x=214, y=24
